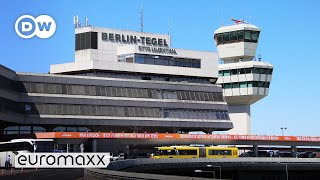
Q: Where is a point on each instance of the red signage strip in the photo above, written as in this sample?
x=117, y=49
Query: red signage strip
x=106, y=135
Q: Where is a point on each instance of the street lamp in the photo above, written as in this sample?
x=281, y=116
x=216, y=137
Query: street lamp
x=287, y=173
x=201, y=171
x=209, y=165
x=282, y=129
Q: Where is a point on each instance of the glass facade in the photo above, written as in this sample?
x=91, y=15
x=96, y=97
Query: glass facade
x=23, y=130
x=87, y=40
x=69, y=89
x=160, y=60
x=117, y=111
x=237, y=36
x=246, y=84
x=254, y=70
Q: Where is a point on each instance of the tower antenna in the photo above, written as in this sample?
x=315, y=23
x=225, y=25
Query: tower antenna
x=170, y=27
x=76, y=22
x=86, y=22
x=221, y=17
x=141, y=19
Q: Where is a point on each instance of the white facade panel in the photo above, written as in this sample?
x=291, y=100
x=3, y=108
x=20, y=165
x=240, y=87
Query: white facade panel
x=242, y=77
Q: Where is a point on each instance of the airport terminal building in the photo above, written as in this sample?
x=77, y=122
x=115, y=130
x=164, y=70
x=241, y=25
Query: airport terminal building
x=121, y=81
x=128, y=81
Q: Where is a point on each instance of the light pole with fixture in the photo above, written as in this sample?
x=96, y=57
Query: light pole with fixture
x=282, y=129
x=201, y=171
x=287, y=173
x=209, y=165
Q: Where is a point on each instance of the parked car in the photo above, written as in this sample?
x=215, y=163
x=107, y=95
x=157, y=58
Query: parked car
x=307, y=155
x=117, y=158
x=285, y=154
x=261, y=153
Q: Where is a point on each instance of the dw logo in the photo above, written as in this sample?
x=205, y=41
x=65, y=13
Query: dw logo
x=27, y=26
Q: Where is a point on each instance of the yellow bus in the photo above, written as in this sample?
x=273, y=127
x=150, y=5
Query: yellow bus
x=195, y=152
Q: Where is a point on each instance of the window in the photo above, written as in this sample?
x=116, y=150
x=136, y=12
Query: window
x=235, y=85
x=220, y=73
x=256, y=70
x=226, y=37
x=250, y=84
x=247, y=36
x=234, y=71
x=255, y=36
x=242, y=71
x=248, y=70
x=129, y=59
x=226, y=72
x=139, y=60
x=243, y=84
x=227, y=86
x=219, y=38
x=233, y=36
x=261, y=84
x=267, y=84
x=262, y=71
x=240, y=35
x=87, y=40
x=220, y=152
x=269, y=71
x=158, y=62
x=149, y=61
x=187, y=63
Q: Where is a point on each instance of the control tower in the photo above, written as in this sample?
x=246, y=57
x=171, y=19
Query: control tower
x=244, y=78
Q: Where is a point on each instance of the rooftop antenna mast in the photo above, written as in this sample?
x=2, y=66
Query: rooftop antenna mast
x=76, y=22
x=221, y=17
x=170, y=27
x=141, y=19
x=86, y=22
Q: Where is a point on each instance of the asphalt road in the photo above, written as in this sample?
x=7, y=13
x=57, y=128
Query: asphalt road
x=43, y=174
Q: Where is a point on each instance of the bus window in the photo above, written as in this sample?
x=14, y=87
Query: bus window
x=220, y=152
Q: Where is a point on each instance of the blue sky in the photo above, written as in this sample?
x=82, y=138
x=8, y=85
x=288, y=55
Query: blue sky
x=289, y=40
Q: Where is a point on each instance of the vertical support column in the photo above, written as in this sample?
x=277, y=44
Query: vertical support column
x=94, y=145
x=294, y=151
x=75, y=147
x=255, y=150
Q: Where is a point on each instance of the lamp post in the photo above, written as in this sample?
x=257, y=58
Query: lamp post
x=209, y=165
x=287, y=173
x=282, y=129
x=201, y=171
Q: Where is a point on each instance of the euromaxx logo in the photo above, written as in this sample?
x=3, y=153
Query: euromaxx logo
x=27, y=26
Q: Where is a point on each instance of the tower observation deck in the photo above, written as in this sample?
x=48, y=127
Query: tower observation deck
x=244, y=79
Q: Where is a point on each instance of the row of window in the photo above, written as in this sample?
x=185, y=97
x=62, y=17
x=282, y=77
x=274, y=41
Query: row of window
x=191, y=114
x=23, y=130
x=89, y=90
x=90, y=110
x=71, y=129
x=35, y=129
x=199, y=96
x=120, y=92
x=160, y=60
x=237, y=36
x=246, y=84
x=220, y=152
x=141, y=76
x=254, y=70
x=176, y=152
